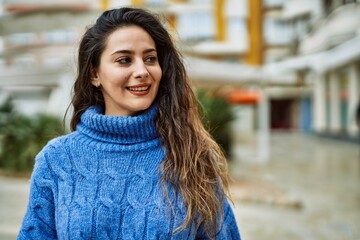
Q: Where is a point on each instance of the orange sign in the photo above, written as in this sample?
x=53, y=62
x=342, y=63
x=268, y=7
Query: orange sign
x=244, y=96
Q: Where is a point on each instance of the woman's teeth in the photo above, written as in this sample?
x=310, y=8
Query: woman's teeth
x=138, y=89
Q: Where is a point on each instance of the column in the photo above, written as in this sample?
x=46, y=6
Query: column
x=263, y=134
x=353, y=98
x=220, y=20
x=104, y=4
x=335, y=111
x=137, y=3
x=319, y=102
x=255, y=28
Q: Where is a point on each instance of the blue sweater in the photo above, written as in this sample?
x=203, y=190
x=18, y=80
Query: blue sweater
x=102, y=182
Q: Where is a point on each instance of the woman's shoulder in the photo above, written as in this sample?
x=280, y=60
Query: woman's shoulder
x=56, y=146
x=54, y=156
x=60, y=141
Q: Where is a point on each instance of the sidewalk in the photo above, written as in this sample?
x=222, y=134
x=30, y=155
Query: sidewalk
x=308, y=190
x=13, y=199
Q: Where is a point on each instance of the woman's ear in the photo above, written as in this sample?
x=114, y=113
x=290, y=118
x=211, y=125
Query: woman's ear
x=94, y=78
x=97, y=84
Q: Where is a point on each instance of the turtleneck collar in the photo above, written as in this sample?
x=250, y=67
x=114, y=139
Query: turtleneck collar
x=124, y=130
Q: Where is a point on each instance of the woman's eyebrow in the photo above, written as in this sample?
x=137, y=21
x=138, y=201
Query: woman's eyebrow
x=123, y=51
x=133, y=52
x=149, y=50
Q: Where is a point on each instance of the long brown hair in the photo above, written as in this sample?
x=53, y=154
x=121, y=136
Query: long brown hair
x=194, y=166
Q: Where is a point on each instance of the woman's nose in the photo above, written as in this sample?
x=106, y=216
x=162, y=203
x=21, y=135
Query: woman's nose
x=141, y=70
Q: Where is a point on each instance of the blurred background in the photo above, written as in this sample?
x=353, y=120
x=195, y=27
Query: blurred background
x=279, y=82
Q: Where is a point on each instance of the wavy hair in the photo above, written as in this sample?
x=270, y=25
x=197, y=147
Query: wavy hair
x=194, y=166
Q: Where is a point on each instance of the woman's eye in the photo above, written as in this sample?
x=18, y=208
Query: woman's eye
x=151, y=59
x=124, y=60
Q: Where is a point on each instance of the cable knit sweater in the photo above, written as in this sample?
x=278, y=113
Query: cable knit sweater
x=102, y=182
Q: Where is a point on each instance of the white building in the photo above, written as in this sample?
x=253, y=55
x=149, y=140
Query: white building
x=327, y=57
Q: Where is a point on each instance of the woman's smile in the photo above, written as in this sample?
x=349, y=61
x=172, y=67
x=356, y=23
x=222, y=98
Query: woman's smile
x=139, y=90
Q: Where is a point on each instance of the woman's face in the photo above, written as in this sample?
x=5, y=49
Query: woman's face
x=129, y=73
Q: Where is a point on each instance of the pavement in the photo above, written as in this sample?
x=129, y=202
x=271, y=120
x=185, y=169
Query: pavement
x=308, y=189
x=14, y=194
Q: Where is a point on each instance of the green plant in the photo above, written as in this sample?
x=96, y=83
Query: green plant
x=217, y=114
x=22, y=137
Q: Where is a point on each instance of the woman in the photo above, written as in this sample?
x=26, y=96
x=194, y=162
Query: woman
x=138, y=163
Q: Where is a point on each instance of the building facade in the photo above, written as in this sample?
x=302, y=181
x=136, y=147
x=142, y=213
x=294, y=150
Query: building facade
x=326, y=57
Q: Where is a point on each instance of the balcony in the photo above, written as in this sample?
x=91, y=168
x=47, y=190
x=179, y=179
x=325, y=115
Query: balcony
x=342, y=25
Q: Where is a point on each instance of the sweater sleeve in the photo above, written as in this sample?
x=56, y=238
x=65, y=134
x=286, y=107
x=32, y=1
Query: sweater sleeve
x=227, y=229
x=39, y=219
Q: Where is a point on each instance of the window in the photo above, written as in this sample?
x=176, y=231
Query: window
x=196, y=26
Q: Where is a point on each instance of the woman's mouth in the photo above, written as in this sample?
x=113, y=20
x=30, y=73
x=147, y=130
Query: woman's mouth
x=139, y=90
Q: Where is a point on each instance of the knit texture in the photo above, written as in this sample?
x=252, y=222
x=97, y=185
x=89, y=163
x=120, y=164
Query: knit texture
x=102, y=182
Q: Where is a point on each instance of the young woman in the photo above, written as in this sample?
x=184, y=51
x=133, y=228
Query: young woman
x=138, y=163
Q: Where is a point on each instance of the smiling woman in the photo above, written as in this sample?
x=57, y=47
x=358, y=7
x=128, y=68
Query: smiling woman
x=129, y=73
x=138, y=163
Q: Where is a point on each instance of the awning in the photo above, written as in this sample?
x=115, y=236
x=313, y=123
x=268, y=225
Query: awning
x=244, y=96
